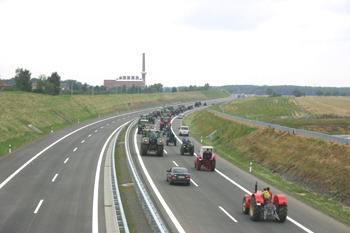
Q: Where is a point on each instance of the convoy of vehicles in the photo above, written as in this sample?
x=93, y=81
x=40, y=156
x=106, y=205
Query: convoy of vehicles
x=152, y=142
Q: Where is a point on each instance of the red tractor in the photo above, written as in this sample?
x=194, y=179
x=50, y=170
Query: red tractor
x=256, y=206
x=205, y=159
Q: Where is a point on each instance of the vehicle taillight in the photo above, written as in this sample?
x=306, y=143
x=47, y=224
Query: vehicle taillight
x=174, y=176
x=160, y=141
x=145, y=140
x=188, y=176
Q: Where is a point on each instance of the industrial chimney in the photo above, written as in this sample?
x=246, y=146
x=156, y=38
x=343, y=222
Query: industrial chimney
x=143, y=68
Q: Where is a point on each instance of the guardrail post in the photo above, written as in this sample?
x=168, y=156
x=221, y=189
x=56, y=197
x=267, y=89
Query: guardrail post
x=250, y=168
x=10, y=149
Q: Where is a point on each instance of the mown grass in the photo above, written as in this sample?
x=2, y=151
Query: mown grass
x=287, y=111
x=19, y=109
x=312, y=170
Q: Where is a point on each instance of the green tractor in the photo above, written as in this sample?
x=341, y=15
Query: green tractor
x=152, y=142
x=187, y=147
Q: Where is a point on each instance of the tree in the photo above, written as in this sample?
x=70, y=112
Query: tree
x=269, y=91
x=206, y=87
x=55, y=80
x=40, y=84
x=174, y=89
x=319, y=93
x=297, y=93
x=22, y=80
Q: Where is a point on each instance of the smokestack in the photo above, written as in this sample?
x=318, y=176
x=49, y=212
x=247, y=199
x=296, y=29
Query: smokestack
x=143, y=67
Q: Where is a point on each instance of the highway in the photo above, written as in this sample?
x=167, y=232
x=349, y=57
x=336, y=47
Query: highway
x=213, y=201
x=56, y=185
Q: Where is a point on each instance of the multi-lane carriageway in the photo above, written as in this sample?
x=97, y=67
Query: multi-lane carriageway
x=56, y=185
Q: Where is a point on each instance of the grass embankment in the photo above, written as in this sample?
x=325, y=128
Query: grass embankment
x=312, y=170
x=19, y=109
x=329, y=115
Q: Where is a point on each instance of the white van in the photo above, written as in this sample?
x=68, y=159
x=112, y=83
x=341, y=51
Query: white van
x=184, y=130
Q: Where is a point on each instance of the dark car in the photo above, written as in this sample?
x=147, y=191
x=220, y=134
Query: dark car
x=178, y=175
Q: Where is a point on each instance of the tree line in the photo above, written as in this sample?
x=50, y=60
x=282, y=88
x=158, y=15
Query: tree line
x=51, y=85
x=288, y=90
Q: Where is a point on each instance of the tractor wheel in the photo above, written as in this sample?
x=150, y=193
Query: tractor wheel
x=144, y=149
x=254, y=210
x=244, y=208
x=182, y=151
x=167, y=142
x=199, y=165
x=282, y=213
x=213, y=165
x=192, y=151
x=175, y=142
x=160, y=150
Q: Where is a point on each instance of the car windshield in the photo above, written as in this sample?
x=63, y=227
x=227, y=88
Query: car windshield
x=182, y=171
x=185, y=128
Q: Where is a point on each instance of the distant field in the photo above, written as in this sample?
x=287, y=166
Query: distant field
x=316, y=105
x=329, y=115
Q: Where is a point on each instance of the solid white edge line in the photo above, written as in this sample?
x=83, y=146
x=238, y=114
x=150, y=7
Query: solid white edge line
x=175, y=164
x=156, y=191
x=54, y=178
x=194, y=183
x=233, y=219
x=245, y=190
x=38, y=206
x=97, y=182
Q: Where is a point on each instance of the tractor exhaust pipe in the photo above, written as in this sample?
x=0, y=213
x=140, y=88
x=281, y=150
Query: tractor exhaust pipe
x=256, y=187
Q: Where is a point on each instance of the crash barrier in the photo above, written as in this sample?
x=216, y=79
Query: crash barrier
x=149, y=207
x=287, y=129
x=118, y=205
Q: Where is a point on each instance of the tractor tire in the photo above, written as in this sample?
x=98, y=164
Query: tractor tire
x=254, y=210
x=175, y=142
x=160, y=150
x=181, y=151
x=167, y=142
x=244, y=208
x=199, y=165
x=144, y=149
x=282, y=211
x=192, y=151
x=213, y=165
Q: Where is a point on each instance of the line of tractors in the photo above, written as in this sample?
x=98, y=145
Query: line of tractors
x=255, y=204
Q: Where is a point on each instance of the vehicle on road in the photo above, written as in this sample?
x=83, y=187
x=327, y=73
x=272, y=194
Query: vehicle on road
x=205, y=159
x=187, y=147
x=141, y=125
x=184, y=130
x=164, y=122
x=257, y=207
x=180, y=116
x=178, y=175
x=170, y=138
x=152, y=142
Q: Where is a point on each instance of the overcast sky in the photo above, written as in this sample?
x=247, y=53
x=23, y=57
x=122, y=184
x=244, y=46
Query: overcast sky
x=186, y=42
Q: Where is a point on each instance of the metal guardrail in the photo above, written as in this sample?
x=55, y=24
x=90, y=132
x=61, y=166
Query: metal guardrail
x=118, y=205
x=154, y=218
x=287, y=129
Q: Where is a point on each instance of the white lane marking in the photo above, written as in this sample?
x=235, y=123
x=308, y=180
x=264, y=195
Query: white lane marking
x=175, y=164
x=65, y=161
x=101, y=127
x=112, y=121
x=38, y=207
x=156, y=191
x=96, y=130
x=194, y=183
x=299, y=225
x=75, y=148
x=54, y=178
x=165, y=152
x=83, y=141
x=227, y=214
x=48, y=147
x=107, y=124
x=89, y=135
x=97, y=182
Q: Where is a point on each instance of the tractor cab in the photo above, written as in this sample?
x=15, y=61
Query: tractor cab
x=206, y=159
